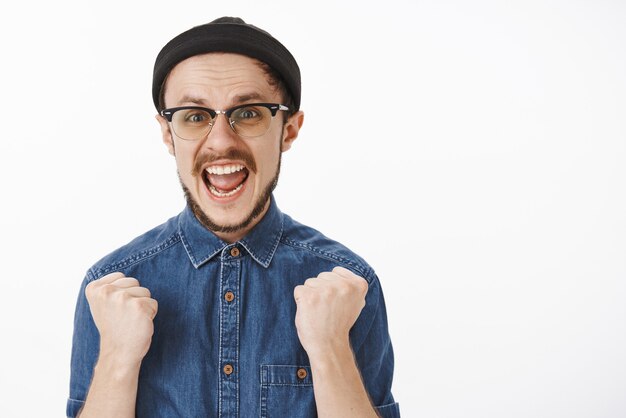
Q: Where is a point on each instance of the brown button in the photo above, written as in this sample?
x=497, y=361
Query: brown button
x=234, y=252
x=301, y=373
x=229, y=296
x=228, y=369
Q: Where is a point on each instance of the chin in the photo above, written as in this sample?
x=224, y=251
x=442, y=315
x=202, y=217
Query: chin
x=230, y=223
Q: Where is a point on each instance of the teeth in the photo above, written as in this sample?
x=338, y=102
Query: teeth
x=217, y=193
x=224, y=169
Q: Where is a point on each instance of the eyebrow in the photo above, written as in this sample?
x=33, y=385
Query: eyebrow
x=192, y=99
x=239, y=99
x=242, y=98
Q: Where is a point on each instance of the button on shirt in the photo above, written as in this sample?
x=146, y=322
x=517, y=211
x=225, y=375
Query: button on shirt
x=225, y=342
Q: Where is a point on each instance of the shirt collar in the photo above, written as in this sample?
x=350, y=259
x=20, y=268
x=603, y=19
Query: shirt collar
x=202, y=245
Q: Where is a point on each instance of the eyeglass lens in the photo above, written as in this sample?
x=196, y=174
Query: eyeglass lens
x=247, y=121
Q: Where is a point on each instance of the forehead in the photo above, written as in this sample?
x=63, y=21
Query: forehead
x=217, y=79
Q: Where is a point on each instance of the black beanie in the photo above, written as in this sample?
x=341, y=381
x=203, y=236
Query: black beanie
x=227, y=34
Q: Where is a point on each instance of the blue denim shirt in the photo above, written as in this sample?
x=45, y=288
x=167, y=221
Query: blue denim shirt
x=198, y=330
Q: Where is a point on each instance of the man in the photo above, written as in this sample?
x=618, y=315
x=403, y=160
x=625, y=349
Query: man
x=230, y=308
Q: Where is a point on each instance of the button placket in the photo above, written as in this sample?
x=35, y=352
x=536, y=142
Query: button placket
x=229, y=332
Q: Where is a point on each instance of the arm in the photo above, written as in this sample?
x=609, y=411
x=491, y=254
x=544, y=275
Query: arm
x=327, y=307
x=123, y=313
x=113, y=390
x=338, y=387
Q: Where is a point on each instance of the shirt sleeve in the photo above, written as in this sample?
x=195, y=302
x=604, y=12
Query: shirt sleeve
x=374, y=352
x=85, y=348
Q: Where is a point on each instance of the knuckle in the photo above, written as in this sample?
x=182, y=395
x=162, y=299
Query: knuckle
x=313, y=297
x=130, y=280
x=107, y=290
x=358, y=282
x=344, y=289
x=327, y=291
x=89, y=290
x=343, y=272
x=150, y=307
x=111, y=277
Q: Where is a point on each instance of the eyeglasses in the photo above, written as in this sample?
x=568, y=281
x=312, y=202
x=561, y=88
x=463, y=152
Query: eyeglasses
x=247, y=120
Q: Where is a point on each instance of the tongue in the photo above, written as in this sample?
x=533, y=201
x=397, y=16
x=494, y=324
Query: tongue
x=227, y=182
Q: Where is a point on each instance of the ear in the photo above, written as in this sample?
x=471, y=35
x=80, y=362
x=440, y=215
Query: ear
x=291, y=129
x=168, y=140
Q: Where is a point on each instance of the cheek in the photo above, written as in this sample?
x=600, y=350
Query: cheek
x=185, y=158
x=267, y=160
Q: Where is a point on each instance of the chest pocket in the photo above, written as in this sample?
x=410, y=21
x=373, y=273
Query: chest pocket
x=287, y=391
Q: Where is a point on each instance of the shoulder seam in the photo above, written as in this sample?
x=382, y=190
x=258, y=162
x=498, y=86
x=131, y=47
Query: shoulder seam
x=97, y=272
x=364, y=270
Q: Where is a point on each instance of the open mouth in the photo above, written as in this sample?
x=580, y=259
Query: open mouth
x=225, y=180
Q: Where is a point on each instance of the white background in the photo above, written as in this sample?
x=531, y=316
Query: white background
x=473, y=152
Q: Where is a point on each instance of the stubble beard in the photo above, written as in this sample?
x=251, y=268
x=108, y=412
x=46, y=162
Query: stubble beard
x=259, y=207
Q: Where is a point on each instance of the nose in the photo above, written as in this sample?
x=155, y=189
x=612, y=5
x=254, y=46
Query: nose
x=221, y=137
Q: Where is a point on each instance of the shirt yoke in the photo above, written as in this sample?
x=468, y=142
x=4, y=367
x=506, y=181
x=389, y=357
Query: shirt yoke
x=305, y=238
x=145, y=246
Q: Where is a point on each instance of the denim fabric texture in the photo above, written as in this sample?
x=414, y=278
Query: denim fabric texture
x=198, y=331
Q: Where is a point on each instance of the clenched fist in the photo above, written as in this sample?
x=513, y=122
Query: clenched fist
x=327, y=308
x=123, y=312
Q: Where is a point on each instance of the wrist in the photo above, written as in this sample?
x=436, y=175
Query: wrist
x=118, y=366
x=331, y=355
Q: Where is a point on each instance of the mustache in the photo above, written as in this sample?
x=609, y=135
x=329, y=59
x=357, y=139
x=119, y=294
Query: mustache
x=230, y=154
